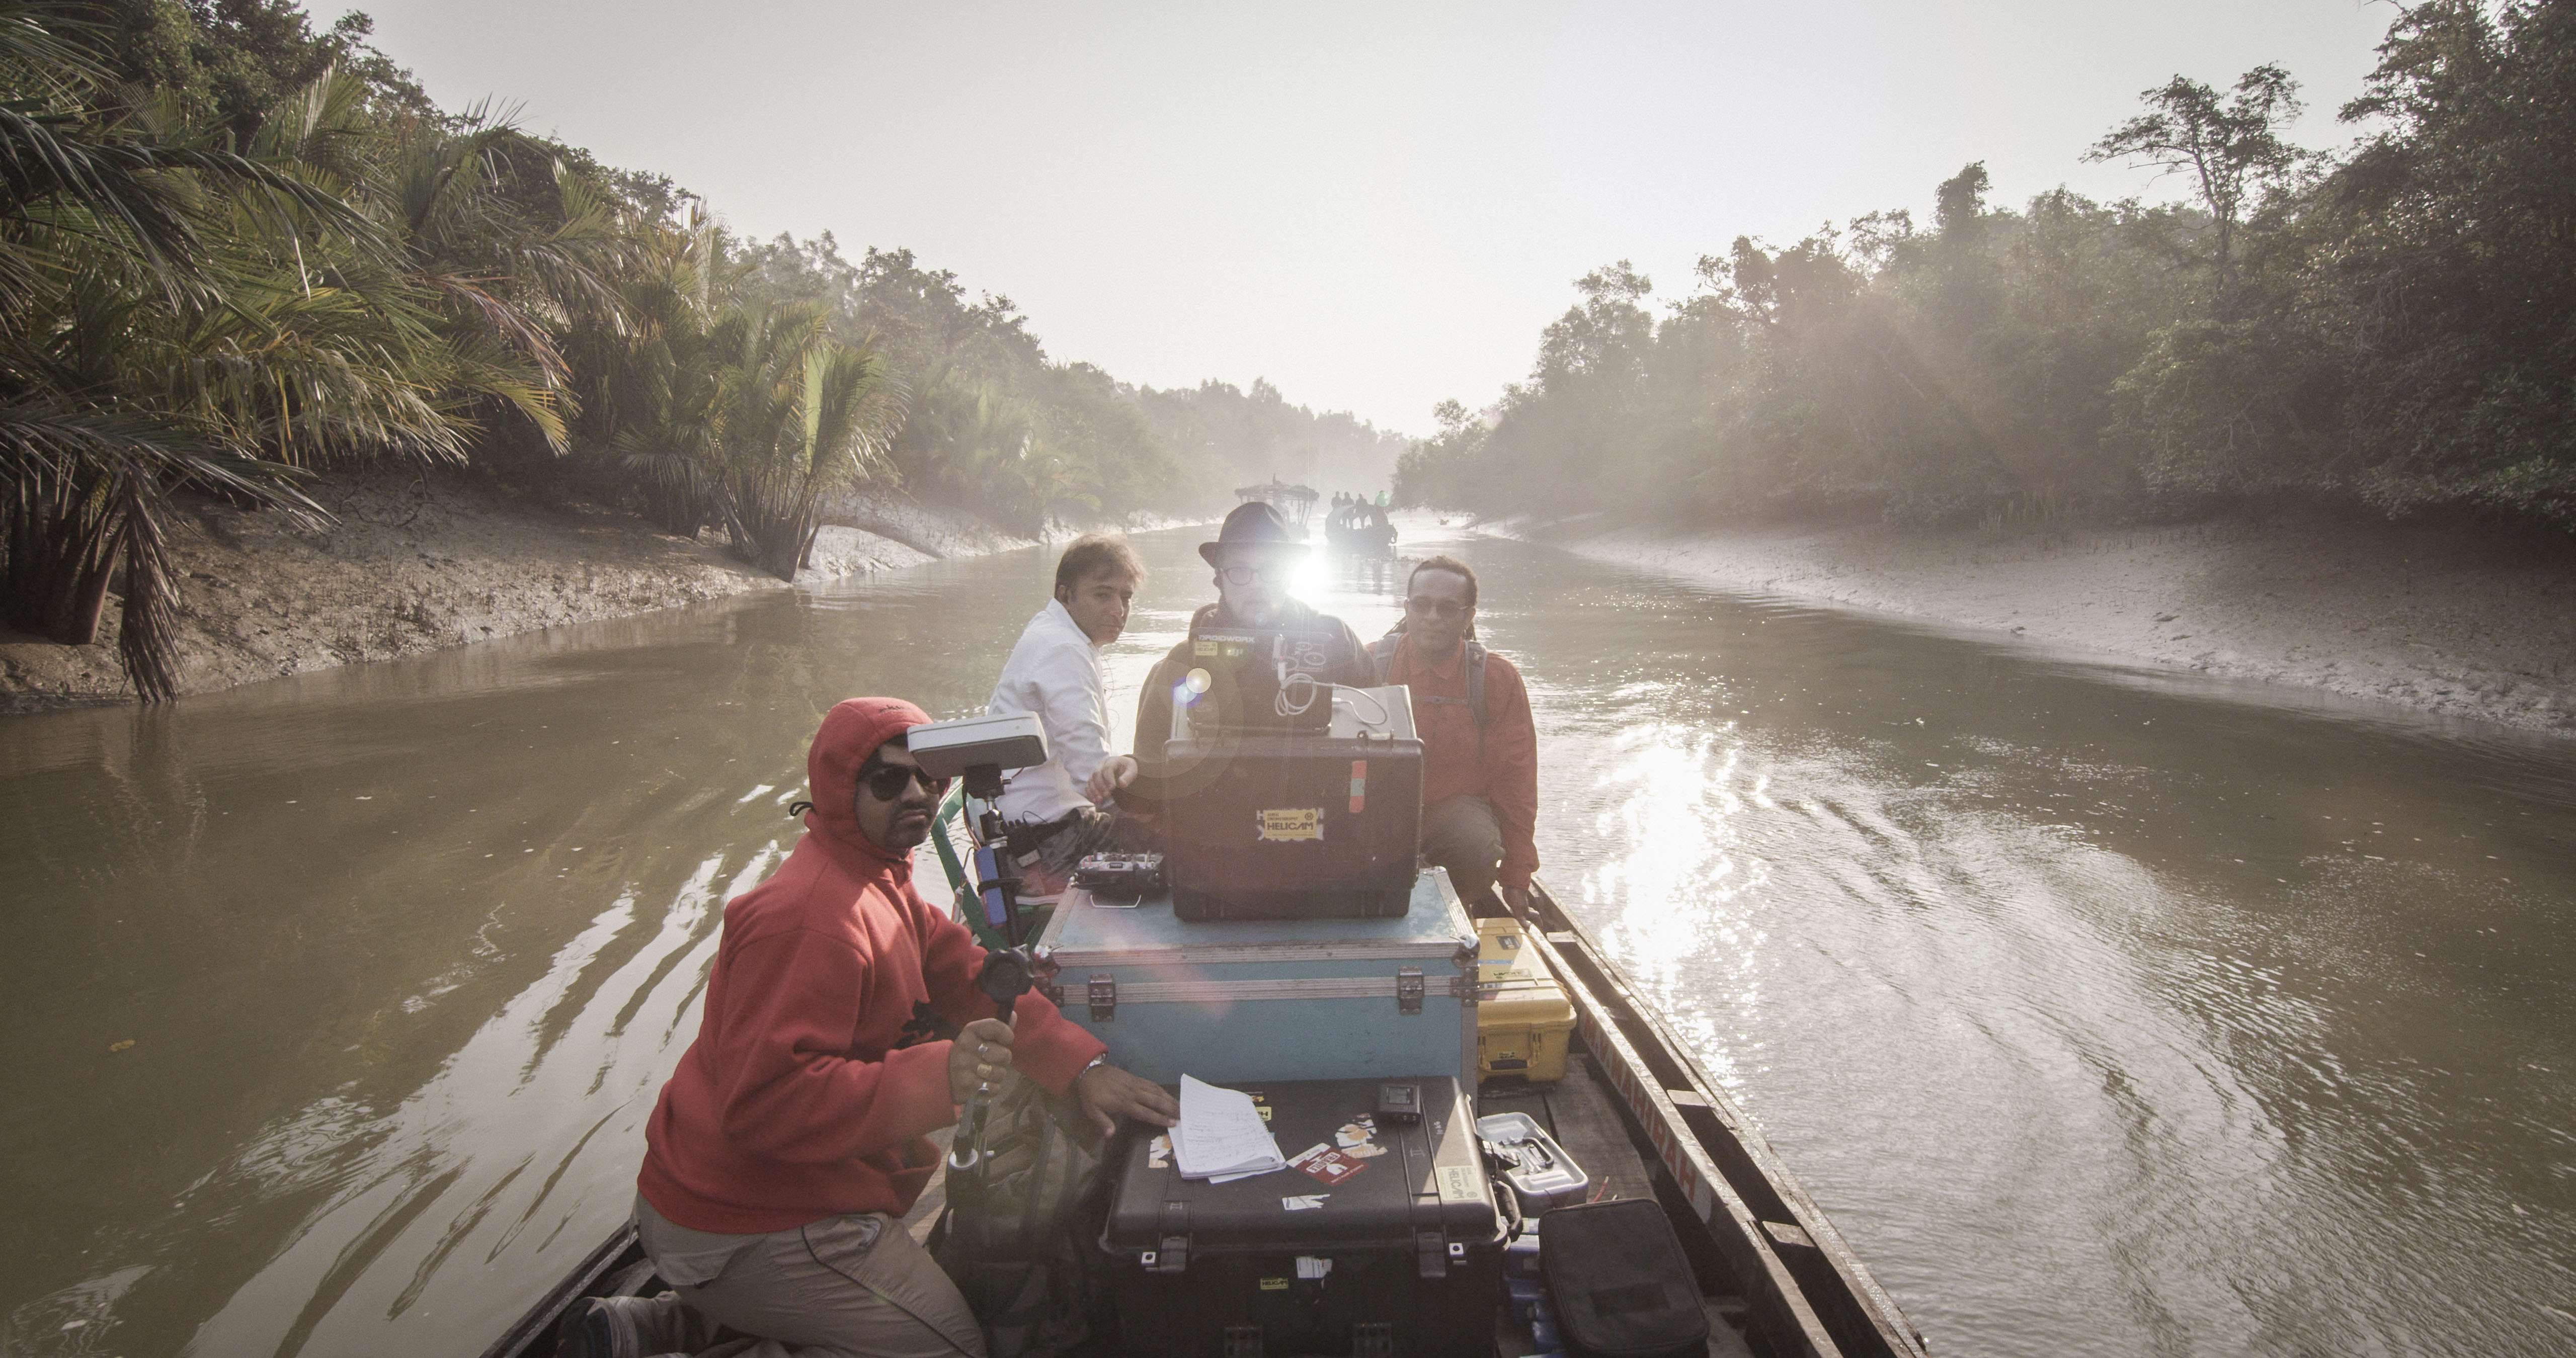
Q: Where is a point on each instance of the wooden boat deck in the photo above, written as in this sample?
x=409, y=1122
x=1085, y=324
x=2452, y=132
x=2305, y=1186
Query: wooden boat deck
x=1578, y=1112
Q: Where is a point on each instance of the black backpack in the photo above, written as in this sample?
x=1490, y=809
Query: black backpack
x=1016, y=1238
x=1382, y=656
x=1622, y=1285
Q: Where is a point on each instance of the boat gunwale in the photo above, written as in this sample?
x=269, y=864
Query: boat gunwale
x=537, y=1323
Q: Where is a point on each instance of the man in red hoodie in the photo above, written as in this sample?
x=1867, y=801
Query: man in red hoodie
x=791, y=1140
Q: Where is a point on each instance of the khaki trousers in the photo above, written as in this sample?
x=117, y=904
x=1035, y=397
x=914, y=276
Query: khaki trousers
x=841, y=1287
x=1464, y=835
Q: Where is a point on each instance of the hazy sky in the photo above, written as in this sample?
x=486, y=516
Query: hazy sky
x=1374, y=206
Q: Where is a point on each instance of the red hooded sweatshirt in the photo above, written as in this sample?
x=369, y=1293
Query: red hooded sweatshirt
x=816, y=1071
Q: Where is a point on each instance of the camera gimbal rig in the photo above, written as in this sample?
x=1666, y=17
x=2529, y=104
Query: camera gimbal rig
x=980, y=748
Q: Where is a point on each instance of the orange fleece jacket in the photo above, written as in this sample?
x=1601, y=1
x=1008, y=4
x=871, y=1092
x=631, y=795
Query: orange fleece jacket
x=1498, y=763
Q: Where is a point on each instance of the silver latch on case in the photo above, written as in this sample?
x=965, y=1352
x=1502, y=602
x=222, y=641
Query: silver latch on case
x=1103, y=994
x=1408, y=990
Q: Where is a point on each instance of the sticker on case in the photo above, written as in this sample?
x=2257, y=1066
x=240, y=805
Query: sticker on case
x=1304, y=1202
x=1328, y=1166
x=1289, y=823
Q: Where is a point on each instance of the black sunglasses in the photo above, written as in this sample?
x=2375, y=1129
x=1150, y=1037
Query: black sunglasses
x=886, y=782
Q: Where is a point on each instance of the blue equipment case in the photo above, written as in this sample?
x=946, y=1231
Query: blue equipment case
x=1273, y=999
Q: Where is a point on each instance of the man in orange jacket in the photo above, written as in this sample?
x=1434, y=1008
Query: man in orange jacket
x=791, y=1140
x=1479, y=743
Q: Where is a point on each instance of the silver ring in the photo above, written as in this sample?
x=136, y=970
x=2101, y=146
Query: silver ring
x=985, y=1088
x=982, y=1050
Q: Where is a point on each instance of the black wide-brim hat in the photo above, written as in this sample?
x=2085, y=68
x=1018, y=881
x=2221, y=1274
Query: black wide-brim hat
x=1253, y=524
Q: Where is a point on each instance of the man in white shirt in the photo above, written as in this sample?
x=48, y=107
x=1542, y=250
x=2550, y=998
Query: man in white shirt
x=1054, y=674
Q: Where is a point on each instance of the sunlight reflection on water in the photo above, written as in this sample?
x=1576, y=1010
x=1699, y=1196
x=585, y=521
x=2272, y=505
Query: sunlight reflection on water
x=1672, y=897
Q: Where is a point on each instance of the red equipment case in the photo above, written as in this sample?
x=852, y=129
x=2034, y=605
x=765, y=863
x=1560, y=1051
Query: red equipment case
x=1278, y=826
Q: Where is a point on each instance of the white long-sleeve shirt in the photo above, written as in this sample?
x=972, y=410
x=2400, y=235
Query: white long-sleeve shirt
x=1054, y=674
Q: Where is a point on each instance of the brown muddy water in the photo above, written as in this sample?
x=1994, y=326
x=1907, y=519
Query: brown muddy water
x=2107, y=1013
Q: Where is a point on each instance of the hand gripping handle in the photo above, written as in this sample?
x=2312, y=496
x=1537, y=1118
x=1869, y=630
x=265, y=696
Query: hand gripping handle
x=966, y=1149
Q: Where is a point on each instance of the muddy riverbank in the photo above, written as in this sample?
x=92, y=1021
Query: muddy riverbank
x=416, y=563
x=2443, y=619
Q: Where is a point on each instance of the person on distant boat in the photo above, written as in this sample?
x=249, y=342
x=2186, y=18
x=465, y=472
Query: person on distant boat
x=1255, y=556
x=1060, y=810
x=1479, y=743
x=841, y=1025
x=1381, y=532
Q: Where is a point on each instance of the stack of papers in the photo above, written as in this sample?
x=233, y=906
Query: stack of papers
x=1221, y=1137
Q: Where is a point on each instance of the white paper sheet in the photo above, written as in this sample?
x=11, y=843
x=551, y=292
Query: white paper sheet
x=1221, y=1136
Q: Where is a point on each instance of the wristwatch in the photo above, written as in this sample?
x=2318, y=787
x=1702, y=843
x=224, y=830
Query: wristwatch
x=1094, y=1064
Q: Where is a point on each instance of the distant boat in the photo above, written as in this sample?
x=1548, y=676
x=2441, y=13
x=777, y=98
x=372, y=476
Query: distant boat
x=1361, y=530
x=1294, y=503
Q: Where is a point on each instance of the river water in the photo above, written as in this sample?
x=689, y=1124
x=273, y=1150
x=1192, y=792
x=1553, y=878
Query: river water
x=2106, y=1012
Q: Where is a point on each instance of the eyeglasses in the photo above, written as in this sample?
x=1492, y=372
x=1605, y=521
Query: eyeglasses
x=887, y=781
x=1269, y=575
x=1421, y=607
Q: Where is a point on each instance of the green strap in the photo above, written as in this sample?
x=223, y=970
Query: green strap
x=1476, y=681
x=954, y=807
x=1382, y=653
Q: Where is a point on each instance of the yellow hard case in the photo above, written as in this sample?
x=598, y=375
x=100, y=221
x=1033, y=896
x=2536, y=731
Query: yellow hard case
x=1523, y=1020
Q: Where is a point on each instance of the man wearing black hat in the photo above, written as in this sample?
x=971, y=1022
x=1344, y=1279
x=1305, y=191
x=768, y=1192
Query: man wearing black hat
x=1254, y=555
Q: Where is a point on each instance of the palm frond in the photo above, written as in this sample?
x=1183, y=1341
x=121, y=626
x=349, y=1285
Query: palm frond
x=42, y=441
x=36, y=61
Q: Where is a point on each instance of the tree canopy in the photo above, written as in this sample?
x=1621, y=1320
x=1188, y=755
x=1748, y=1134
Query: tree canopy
x=2390, y=328
x=237, y=250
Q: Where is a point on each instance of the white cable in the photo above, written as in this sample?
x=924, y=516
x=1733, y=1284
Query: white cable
x=1291, y=680
x=1383, y=716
